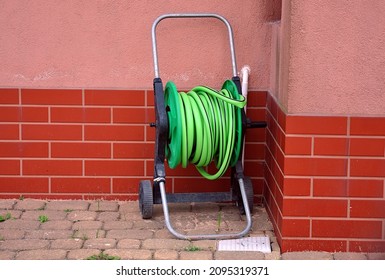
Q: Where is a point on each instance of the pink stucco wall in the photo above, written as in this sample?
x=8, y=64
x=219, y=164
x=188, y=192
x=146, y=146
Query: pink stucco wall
x=331, y=57
x=78, y=43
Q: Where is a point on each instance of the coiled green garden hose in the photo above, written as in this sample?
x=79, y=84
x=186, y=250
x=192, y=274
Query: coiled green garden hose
x=205, y=125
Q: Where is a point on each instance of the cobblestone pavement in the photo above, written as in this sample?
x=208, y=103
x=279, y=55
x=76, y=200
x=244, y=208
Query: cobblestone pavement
x=74, y=229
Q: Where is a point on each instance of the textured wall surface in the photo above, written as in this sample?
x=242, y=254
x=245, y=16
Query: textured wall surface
x=332, y=56
x=102, y=43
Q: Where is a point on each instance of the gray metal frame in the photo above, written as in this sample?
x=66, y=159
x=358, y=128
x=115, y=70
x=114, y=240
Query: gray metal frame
x=240, y=180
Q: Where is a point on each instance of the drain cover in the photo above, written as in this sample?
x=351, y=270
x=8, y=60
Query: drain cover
x=258, y=244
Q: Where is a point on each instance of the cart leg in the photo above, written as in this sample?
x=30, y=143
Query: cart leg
x=207, y=236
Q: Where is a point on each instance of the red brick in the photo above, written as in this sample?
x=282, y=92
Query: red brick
x=150, y=133
x=134, y=115
x=80, y=150
x=315, y=166
x=275, y=131
x=367, y=147
x=367, y=246
x=346, y=229
x=256, y=114
x=187, y=185
x=9, y=131
x=51, y=96
x=254, y=168
x=23, y=185
x=331, y=146
x=80, y=115
x=252, y=135
x=366, y=188
x=316, y=125
x=293, y=245
x=297, y=145
x=272, y=165
x=114, y=133
x=255, y=151
x=315, y=207
x=52, y=167
x=281, y=118
x=114, y=97
x=23, y=149
x=295, y=227
x=80, y=185
x=272, y=106
x=150, y=98
x=9, y=167
x=125, y=185
x=134, y=150
x=9, y=96
x=24, y=114
x=275, y=150
x=296, y=186
x=347, y=188
x=367, y=167
x=367, y=126
x=51, y=132
x=178, y=171
x=274, y=189
x=367, y=208
x=256, y=98
x=114, y=168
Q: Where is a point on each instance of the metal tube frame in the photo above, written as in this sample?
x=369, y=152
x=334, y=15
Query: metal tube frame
x=162, y=17
x=162, y=182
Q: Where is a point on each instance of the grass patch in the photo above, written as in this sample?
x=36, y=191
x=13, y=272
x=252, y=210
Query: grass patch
x=43, y=219
x=103, y=256
x=68, y=210
x=192, y=248
x=5, y=217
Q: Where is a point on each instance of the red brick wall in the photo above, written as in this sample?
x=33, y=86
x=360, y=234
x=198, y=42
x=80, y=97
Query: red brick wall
x=325, y=181
x=86, y=143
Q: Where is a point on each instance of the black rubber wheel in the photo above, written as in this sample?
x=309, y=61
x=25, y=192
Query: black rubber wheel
x=249, y=195
x=146, y=201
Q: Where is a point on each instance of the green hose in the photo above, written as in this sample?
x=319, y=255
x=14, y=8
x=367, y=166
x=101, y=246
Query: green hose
x=205, y=125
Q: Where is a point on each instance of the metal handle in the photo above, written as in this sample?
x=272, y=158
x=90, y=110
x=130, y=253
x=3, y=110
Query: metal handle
x=231, y=40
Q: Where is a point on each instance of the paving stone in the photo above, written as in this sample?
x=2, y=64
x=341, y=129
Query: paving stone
x=207, y=245
x=306, y=256
x=100, y=206
x=173, y=244
x=89, y=233
x=108, y=216
x=82, y=254
x=129, y=207
x=349, y=256
x=132, y=216
x=275, y=247
x=376, y=256
x=273, y=256
x=52, y=215
x=11, y=234
x=49, y=234
x=67, y=205
x=165, y=254
x=24, y=244
x=147, y=224
x=130, y=254
x=7, y=255
x=128, y=244
x=238, y=255
x=30, y=204
x=42, y=255
x=67, y=244
x=19, y=224
x=82, y=216
x=129, y=234
x=163, y=234
x=11, y=214
x=56, y=225
x=7, y=203
x=87, y=225
x=100, y=243
x=108, y=225
x=197, y=255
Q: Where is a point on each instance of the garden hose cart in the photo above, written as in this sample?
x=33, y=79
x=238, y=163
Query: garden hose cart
x=199, y=127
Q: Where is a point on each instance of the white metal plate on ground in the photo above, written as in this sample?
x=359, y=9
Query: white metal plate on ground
x=257, y=244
